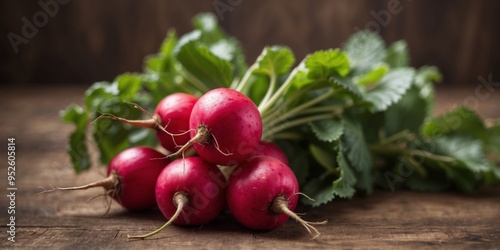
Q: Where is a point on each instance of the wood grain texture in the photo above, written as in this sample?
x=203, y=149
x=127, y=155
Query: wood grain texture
x=384, y=220
x=91, y=40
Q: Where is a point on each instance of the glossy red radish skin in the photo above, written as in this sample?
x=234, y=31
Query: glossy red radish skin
x=234, y=125
x=189, y=191
x=262, y=194
x=131, y=179
x=137, y=169
x=202, y=183
x=270, y=149
x=174, y=111
x=253, y=187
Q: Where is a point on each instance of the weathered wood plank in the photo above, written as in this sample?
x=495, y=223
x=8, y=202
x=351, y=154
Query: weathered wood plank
x=386, y=220
x=400, y=219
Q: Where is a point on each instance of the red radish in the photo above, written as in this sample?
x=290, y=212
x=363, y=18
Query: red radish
x=189, y=191
x=225, y=126
x=174, y=112
x=262, y=194
x=132, y=175
x=270, y=149
x=171, y=120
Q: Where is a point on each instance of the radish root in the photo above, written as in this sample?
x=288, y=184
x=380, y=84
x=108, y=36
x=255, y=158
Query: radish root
x=180, y=200
x=150, y=123
x=111, y=184
x=280, y=205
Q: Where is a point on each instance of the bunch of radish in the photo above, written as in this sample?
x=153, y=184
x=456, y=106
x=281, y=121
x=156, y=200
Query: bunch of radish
x=221, y=130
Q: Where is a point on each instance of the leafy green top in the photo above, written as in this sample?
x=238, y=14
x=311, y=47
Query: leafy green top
x=349, y=119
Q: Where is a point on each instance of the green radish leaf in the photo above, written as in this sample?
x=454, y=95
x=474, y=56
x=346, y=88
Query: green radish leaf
x=98, y=93
x=219, y=43
x=407, y=114
x=300, y=166
x=274, y=60
x=112, y=136
x=208, y=25
x=372, y=76
x=300, y=80
x=129, y=85
x=159, y=71
x=206, y=67
x=364, y=49
x=77, y=148
x=320, y=190
x=325, y=158
x=425, y=76
x=365, y=181
x=344, y=186
x=324, y=188
x=371, y=123
x=168, y=45
x=390, y=88
x=327, y=130
x=355, y=146
x=346, y=84
x=327, y=63
x=297, y=158
x=468, y=152
x=398, y=55
x=230, y=50
x=259, y=84
x=461, y=120
x=492, y=177
x=493, y=139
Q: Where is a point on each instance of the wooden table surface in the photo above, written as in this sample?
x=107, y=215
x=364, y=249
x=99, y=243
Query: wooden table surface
x=384, y=220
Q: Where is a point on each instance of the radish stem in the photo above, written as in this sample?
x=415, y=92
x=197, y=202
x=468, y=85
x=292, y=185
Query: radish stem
x=180, y=200
x=244, y=80
x=202, y=136
x=269, y=130
x=278, y=94
x=270, y=89
x=297, y=110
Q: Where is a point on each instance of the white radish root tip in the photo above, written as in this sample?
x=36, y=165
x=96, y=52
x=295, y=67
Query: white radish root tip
x=280, y=205
x=111, y=184
x=180, y=200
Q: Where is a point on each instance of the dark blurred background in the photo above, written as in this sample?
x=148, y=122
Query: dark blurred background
x=82, y=41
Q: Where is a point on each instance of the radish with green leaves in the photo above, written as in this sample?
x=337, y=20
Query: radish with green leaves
x=225, y=126
x=131, y=178
x=189, y=191
x=262, y=194
x=171, y=120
